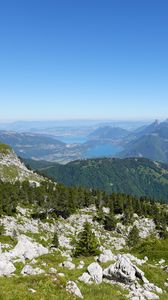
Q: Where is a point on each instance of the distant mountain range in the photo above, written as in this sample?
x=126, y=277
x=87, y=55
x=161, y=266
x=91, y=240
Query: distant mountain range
x=31, y=145
x=108, y=133
x=136, y=176
x=150, y=142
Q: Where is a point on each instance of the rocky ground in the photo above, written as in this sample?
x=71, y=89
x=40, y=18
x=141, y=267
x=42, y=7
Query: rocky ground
x=31, y=268
x=12, y=169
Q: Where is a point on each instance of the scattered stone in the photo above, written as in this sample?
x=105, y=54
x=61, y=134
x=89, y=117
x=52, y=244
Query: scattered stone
x=96, y=272
x=145, y=226
x=136, y=260
x=123, y=270
x=26, y=249
x=162, y=261
x=29, y=270
x=149, y=295
x=106, y=210
x=61, y=274
x=32, y=291
x=67, y=264
x=81, y=265
x=73, y=289
x=53, y=270
x=106, y=256
x=86, y=278
x=6, y=268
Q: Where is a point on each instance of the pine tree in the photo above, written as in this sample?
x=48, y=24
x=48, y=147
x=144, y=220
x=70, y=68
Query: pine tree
x=55, y=241
x=87, y=243
x=110, y=222
x=128, y=216
x=133, y=237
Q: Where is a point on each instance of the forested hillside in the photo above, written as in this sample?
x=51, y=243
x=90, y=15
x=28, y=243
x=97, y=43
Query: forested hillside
x=136, y=176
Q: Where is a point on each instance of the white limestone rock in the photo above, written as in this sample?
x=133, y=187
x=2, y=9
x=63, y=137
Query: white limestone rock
x=53, y=270
x=136, y=260
x=68, y=265
x=73, y=289
x=29, y=270
x=106, y=210
x=6, y=268
x=61, y=274
x=28, y=249
x=81, y=265
x=96, y=272
x=32, y=290
x=86, y=278
x=145, y=226
x=106, y=256
x=149, y=295
x=123, y=270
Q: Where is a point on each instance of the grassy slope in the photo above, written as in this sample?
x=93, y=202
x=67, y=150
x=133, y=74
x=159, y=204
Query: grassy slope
x=51, y=286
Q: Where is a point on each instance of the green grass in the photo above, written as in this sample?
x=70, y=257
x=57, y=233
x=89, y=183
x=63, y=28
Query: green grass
x=4, y=239
x=4, y=149
x=152, y=248
x=9, y=172
x=51, y=286
x=17, y=288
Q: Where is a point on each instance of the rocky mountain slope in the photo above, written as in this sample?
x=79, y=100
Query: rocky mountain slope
x=12, y=169
x=40, y=271
x=136, y=176
x=41, y=227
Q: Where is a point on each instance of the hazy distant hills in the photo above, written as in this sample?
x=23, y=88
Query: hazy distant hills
x=150, y=142
x=31, y=145
x=137, y=176
x=108, y=133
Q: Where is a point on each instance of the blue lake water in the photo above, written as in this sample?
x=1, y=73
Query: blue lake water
x=103, y=150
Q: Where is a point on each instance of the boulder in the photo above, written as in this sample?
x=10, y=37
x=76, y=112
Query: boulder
x=86, y=278
x=124, y=271
x=96, y=272
x=27, y=249
x=6, y=268
x=73, y=289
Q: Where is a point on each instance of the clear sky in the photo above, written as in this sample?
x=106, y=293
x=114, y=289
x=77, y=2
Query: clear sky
x=89, y=59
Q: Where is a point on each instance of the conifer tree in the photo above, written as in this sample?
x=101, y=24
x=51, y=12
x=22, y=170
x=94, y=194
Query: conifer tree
x=87, y=243
x=55, y=240
x=110, y=222
x=133, y=237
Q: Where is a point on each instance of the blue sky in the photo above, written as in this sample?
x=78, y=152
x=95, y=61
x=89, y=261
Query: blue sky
x=74, y=59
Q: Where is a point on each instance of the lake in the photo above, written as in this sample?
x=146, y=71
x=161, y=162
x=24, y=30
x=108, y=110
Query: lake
x=103, y=150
